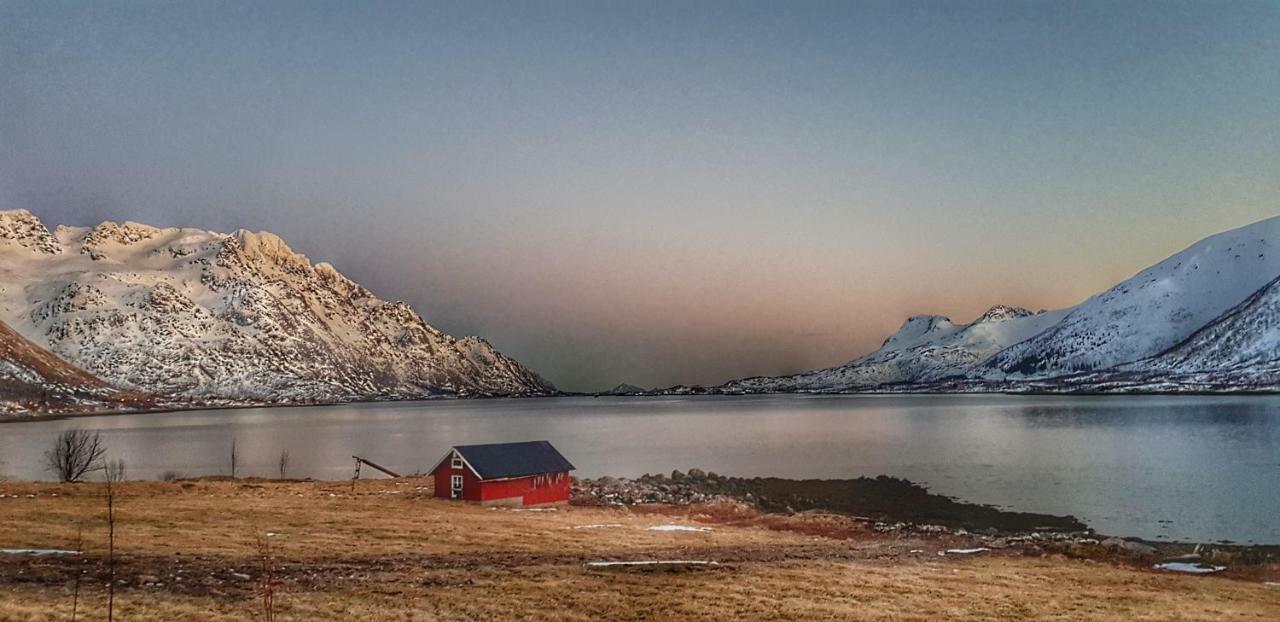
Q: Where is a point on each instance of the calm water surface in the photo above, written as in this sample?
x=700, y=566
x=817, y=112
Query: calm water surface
x=1194, y=468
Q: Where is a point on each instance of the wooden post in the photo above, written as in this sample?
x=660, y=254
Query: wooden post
x=379, y=467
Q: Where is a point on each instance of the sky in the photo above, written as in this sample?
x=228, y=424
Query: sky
x=654, y=192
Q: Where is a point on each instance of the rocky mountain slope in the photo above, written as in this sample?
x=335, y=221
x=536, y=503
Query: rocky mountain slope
x=33, y=380
x=1205, y=318
x=228, y=317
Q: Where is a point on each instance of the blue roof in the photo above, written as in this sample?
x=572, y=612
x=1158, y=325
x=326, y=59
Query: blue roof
x=499, y=460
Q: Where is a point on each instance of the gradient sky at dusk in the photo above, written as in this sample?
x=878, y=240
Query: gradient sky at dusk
x=657, y=192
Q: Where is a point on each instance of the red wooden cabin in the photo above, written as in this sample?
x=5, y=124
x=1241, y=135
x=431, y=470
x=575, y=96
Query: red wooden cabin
x=529, y=473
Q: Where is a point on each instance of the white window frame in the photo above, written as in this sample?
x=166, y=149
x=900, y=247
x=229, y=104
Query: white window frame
x=457, y=461
x=455, y=486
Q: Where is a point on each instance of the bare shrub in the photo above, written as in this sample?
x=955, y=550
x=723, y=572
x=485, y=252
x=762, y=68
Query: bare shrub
x=111, y=549
x=114, y=471
x=267, y=582
x=75, y=453
x=75, y=589
x=170, y=476
x=234, y=459
x=284, y=463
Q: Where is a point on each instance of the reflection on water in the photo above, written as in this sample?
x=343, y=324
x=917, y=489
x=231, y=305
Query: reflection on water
x=1202, y=468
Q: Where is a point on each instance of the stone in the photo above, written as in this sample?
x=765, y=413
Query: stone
x=1129, y=546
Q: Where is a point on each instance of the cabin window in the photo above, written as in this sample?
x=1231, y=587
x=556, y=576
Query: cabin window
x=457, y=460
x=456, y=488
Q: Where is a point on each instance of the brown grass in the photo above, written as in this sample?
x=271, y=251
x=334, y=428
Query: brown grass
x=387, y=551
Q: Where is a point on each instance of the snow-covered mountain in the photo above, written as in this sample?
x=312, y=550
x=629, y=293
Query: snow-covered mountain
x=927, y=348
x=236, y=317
x=33, y=380
x=1208, y=316
x=1152, y=311
x=1242, y=346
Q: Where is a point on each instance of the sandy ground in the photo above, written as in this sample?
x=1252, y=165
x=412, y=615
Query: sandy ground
x=385, y=550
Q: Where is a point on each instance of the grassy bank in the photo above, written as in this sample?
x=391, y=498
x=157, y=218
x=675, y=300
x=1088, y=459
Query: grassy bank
x=387, y=550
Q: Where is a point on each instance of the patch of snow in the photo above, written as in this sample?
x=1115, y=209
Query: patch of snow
x=38, y=552
x=1189, y=567
x=981, y=549
x=604, y=526
x=665, y=562
x=677, y=528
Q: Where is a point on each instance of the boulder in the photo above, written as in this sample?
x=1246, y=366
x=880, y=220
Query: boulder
x=1131, y=547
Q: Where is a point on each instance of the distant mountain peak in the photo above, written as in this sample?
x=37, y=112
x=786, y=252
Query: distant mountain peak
x=1000, y=313
x=21, y=228
x=626, y=389
x=917, y=327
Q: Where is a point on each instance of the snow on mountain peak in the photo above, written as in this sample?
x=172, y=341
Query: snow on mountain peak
x=22, y=229
x=1000, y=313
x=918, y=327
x=233, y=317
x=268, y=245
x=122, y=234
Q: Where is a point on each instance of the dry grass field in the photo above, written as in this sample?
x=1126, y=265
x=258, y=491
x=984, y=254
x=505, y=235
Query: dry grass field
x=385, y=550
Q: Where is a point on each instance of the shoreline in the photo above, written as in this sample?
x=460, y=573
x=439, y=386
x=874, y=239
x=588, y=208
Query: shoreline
x=27, y=418
x=265, y=405
x=893, y=504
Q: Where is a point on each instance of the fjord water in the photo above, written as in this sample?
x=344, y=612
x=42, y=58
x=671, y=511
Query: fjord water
x=1167, y=467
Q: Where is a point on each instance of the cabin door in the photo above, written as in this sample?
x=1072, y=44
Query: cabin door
x=456, y=490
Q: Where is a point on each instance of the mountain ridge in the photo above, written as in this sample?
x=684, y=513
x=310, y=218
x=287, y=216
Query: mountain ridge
x=1125, y=337
x=231, y=318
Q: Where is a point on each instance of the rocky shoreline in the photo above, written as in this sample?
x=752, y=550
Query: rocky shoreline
x=881, y=499
x=902, y=508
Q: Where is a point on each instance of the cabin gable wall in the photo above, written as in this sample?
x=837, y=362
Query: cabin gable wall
x=443, y=477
